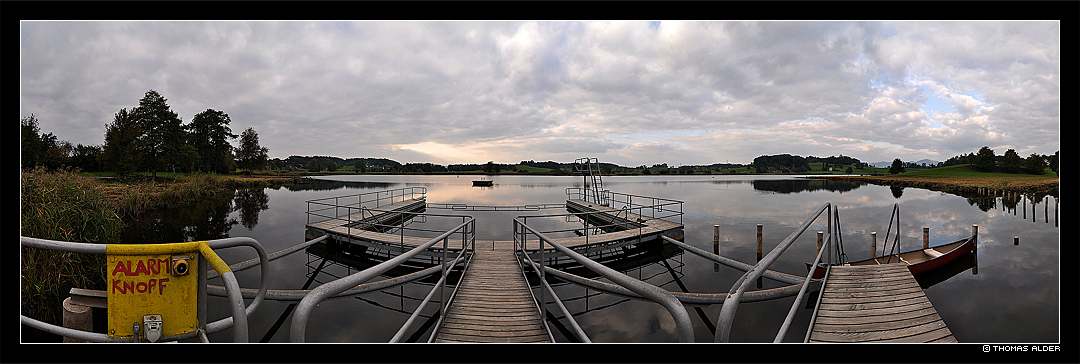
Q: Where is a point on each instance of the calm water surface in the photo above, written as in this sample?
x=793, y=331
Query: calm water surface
x=1012, y=296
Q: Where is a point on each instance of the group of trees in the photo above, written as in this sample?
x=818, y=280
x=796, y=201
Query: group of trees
x=785, y=163
x=985, y=160
x=150, y=137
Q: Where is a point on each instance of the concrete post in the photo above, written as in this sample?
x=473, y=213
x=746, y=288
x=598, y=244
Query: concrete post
x=77, y=317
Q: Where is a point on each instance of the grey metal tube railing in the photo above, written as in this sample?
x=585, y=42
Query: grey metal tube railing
x=806, y=284
x=227, y=322
x=239, y=318
x=731, y=303
x=295, y=295
x=684, y=297
x=210, y=274
x=774, y=275
x=657, y=294
x=416, y=313
x=329, y=289
x=544, y=285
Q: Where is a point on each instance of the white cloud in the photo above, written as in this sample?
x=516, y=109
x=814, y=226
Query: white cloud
x=469, y=92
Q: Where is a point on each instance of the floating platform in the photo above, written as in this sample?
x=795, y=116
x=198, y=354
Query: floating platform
x=876, y=303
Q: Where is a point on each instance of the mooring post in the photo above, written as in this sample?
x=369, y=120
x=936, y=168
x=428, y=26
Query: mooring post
x=716, y=246
x=820, y=239
x=759, y=242
x=873, y=244
x=975, y=248
x=925, y=238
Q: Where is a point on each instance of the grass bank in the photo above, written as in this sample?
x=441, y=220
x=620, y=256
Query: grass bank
x=963, y=180
x=81, y=207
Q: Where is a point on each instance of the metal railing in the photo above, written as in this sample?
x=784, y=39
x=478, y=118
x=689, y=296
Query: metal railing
x=372, y=200
x=649, y=291
x=330, y=289
x=645, y=206
x=522, y=256
x=240, y=313
x=731, y=303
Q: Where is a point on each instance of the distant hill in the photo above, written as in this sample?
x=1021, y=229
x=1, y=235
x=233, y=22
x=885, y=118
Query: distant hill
x=889, y=163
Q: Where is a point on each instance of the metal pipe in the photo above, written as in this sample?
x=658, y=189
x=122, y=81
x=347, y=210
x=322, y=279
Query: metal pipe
x=203, y=247
x=774, y=275
x=684, y=297
x=727, y=312
x=322, y=292
x=657, y=294
x=263, y=282
x=573, y=323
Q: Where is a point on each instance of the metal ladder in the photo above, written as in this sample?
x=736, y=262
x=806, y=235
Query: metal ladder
x=590, y=167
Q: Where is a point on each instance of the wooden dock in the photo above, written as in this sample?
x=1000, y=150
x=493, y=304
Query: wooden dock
x=876, y=303
x=493, y=303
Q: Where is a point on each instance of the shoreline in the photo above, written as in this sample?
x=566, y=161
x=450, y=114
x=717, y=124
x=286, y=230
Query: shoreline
x=984, y=186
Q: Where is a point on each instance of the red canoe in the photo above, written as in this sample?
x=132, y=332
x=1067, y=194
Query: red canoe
x=918, y=261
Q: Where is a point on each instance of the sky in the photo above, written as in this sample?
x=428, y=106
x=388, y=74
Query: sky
x=625, y=92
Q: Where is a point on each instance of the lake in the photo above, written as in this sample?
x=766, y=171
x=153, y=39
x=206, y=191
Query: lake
x=1012, y=296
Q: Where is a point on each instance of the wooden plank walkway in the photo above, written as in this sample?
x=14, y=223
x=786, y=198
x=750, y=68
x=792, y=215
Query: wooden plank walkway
x=493, y=303
x=876, y=303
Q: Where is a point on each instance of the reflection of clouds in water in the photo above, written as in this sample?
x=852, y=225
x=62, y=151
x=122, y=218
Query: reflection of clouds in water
x=1020, y=281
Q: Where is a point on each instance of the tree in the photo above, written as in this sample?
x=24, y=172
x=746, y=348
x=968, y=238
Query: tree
x=250, y=155
x=984, y=160
x=209, y=133
x=897, y=166
x=1011, y=162
x=30, y=141
x=313, y=166
x=1035, y=164
x=86, y=157
x=163, y=137
x=120, y=154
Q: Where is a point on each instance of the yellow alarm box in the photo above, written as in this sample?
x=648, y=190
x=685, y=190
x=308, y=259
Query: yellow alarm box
x=157, y=295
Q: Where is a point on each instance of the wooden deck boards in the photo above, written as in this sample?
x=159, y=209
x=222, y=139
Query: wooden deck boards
x=493, y=303
x=876, y=303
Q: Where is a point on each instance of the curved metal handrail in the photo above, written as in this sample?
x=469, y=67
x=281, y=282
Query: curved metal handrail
x=303, y=309
x=657, y=294
x=731, y=303
x=544, y=285
x=205, y=248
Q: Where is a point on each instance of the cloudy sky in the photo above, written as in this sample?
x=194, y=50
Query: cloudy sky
x=626, y=92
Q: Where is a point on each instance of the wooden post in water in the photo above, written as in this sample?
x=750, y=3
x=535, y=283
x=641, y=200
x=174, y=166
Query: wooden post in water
x=716, y=246
x=975, y=249
x=873, y=244
x=820, y=239
x=925, y=238
x=1046, y=209
x=759, y=242
x=759, y=236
